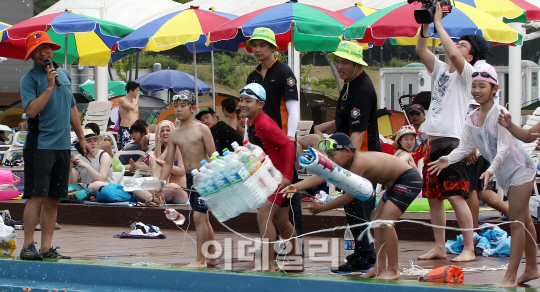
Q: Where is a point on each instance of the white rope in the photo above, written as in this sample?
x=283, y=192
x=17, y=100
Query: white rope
x=178, y=226
x=416, y=270
x=145, y=264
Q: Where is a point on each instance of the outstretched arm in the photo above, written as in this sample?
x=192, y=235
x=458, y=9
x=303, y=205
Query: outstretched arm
x=321, y=128
x=448, y=44
x=428, y=58
x=525, y=135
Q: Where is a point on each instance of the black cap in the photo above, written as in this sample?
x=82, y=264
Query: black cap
x=204, y=111
x=342, y=140
x=480, y=42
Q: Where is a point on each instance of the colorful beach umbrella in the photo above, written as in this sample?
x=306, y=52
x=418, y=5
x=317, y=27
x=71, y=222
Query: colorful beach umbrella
x=314, y=28
x=89, y=38
x=356, y=12
x=4, y=25
x=171, y=80
x=397, y=21
x=509, y=10
x=115, y=88
x=188, y=26
x=172, y=30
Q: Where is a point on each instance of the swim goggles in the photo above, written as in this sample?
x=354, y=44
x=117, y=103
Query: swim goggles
x=484, y=74
x=331, y=145
x=251, y=92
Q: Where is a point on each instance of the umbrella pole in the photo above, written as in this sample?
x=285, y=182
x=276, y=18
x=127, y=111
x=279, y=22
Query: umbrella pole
x=296, y=65
x=514, y=97
x=195, y=74
x=213, y=82
x=65, y=50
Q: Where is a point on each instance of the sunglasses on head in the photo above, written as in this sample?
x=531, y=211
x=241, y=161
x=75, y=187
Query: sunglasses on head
x=483, y=74
x=330, y=145
x=250, y=92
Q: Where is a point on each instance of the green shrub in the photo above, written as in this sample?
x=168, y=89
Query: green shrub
x=395, y=62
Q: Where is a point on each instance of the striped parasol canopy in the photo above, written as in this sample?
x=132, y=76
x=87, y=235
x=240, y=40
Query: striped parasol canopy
x=89, y=38
x=397, y=21
x=309, y=28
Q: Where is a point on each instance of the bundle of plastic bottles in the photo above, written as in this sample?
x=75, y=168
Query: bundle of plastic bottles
x=236, y=182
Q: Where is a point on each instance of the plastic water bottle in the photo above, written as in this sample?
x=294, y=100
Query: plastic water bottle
x=219, y=174
x=142, y=183
x=256, y=150
x=198, y=182
x=236, y=171
x=349, y=243
x=175, y=216
x=245, y=156
x=207, y=180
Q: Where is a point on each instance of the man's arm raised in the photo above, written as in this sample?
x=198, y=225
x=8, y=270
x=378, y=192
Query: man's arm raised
x=448, y=44
x=428, y=58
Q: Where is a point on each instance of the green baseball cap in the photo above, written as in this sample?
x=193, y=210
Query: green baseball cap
x=204, y=111
x=263, y=33
x=350, y=51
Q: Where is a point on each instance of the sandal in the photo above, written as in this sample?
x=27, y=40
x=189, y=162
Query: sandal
x=152, y=202
x=30, y=253
x=53, y=254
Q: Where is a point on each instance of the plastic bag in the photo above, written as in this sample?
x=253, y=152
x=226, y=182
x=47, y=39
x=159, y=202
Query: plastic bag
x=8, y=238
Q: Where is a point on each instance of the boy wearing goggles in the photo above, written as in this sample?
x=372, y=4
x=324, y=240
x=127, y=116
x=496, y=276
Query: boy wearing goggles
x=265, y=133
x=195, y=142
x=403, y=185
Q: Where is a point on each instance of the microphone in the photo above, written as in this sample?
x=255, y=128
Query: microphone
x=48, y=64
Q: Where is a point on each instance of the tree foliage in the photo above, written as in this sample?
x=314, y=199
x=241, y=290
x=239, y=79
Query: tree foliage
x=41, y=5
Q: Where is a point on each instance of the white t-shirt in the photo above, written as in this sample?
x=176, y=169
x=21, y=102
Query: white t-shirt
x=449, y=100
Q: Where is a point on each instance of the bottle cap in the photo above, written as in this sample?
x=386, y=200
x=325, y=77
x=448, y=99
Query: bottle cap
x=194, y=172
x=245, y=142
x=212, y=158
x=216, y=154
x=203, y=162
x=234, y=145
x=226, y=152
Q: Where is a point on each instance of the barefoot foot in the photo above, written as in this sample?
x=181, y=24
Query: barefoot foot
x=506, y=283
x=372, y=273
x=465, y=256
x=197, y=264
x=432, y=255
x=528, y=276
x=388, y=275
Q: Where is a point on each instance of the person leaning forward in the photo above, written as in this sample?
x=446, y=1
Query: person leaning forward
x=356, y=116
x=50, y=110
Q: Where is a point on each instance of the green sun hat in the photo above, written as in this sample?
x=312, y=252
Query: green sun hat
x=350, y=51
x=263, y=33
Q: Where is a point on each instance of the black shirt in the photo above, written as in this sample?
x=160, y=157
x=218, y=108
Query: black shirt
x=358, y=112
x=280, y=85
x=224, y=135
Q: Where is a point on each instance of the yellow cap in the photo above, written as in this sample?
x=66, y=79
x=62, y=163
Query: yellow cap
x=351, y=51
x=265, y=34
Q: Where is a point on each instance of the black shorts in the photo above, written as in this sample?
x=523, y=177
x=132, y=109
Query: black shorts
x=405, y=189
x=46, y=173
x=123, y=137
x=197, y=204
x=453, y=180
x=475, y=171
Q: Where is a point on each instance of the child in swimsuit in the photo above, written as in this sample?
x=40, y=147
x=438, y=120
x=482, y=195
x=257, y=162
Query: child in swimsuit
x=514, y=168
x=406, y=140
